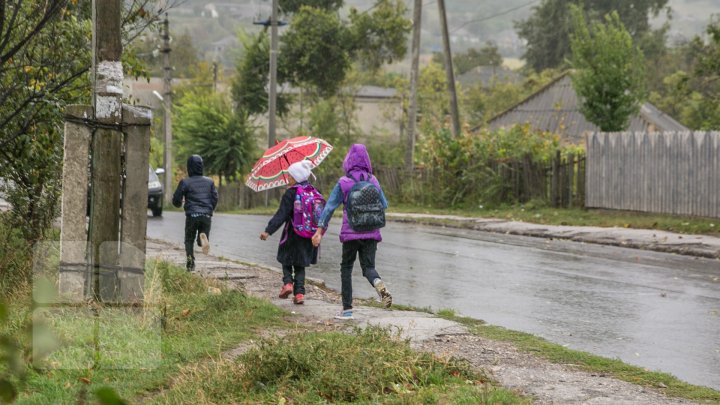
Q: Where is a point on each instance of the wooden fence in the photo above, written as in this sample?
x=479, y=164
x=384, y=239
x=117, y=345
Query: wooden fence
x=560, y=183
x=672, y=172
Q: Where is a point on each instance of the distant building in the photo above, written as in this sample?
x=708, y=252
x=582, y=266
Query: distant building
x=378, y=110
x=556, y=108
x=378, y=113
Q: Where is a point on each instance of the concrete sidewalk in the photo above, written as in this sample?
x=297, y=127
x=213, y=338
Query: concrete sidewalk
x=647, y=239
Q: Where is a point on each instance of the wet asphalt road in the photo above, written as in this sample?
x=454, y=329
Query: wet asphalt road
x=656, y=310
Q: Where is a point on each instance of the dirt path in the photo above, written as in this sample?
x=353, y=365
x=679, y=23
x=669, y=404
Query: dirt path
x=532, y=376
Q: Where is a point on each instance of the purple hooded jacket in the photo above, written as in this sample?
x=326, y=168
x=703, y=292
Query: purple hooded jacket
x=357, y=167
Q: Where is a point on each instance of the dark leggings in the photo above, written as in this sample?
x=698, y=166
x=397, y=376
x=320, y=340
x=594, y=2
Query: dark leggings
x=365, y=249
x=299, y=279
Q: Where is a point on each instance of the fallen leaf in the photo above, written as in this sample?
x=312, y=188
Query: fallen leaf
x=185, y=312
x=85, y=380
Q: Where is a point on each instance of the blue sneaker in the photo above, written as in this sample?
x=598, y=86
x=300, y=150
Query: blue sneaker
x=345, y=315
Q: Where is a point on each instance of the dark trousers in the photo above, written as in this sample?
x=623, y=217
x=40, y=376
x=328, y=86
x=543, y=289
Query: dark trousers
x=299, y=279
x=194, y=226
x=365, y=249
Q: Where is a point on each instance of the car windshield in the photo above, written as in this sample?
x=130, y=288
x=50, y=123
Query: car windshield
x=151, y=175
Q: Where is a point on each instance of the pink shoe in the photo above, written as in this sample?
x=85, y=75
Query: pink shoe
x=286, y=290
x=299, y=299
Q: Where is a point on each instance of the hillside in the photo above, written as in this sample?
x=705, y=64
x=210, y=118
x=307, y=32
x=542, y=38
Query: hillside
x=214, y=25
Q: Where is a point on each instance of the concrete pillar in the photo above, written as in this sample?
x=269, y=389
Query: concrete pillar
x=73, y=270
x=136, y=121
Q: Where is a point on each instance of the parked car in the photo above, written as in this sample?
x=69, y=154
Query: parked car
x=155, y=191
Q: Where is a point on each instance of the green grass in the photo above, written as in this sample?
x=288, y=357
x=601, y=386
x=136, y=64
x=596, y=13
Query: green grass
x=365, y=367
x=137, y=350
x=576, y=217
x=555, y=353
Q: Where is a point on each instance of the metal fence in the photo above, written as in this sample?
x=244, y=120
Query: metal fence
x=671, y=172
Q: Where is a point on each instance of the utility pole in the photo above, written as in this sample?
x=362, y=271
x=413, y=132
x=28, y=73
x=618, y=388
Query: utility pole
x=167, y=113
x=449, y=69
x=414, y=74
x=106, y=143
x=272, y=96
x=215, y=75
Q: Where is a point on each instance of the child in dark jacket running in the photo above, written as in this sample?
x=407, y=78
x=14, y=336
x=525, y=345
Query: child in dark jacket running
x=357, y=168
x=201, y=198
x=294, y=252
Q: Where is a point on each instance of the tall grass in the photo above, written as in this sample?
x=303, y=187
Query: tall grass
x=131, y=350
x=366, y=366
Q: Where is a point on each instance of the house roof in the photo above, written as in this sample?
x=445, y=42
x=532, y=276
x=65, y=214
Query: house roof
x=556, y=108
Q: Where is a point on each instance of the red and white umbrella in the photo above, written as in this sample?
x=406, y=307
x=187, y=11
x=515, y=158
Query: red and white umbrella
x=270, y=170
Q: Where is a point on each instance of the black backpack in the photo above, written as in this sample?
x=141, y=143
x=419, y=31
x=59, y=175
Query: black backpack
x=364, y=207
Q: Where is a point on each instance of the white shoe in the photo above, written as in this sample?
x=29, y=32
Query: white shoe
x=204, y=243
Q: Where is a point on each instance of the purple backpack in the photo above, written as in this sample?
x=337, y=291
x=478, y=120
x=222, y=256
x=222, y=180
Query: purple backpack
x=307, y=208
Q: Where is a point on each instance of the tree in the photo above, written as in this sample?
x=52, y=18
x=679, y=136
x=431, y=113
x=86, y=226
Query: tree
x=381, y=36
x=248, y=88
x=691, y=93
x=293, y=6
x=205, y=124
x=44, y=58
x=609, y=75
x=547, y=30
x=318, y=49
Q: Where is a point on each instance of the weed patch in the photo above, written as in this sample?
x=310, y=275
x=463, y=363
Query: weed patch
x=366, y=366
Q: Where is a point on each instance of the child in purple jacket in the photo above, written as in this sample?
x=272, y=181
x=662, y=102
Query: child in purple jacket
x=357, y=167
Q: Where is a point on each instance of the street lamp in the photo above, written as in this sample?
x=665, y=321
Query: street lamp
x=167, y=160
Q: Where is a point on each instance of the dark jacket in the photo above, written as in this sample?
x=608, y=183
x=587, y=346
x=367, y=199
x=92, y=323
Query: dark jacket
x=295, y=250
x=199, y=192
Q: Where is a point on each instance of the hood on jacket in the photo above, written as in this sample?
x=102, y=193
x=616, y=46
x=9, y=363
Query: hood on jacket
x=357, y=159
x=195, y=165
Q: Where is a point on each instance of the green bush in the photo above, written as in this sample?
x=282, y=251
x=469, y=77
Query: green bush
x=15, y=256
x=337, y=367
x=477, y=168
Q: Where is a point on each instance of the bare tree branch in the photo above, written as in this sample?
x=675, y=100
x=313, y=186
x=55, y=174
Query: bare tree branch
x=51, y=11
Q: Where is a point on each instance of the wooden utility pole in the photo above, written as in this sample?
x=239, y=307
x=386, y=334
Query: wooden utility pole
x=449, y=69
x=104, y=261
x=215, y=75
x=106, y=144
x=272, y=96
x=414, y=74
x=167, y=110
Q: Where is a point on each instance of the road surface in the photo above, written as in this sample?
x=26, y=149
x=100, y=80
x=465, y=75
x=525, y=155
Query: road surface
x=656, y=310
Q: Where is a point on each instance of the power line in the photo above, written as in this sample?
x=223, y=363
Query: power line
x=508, y=11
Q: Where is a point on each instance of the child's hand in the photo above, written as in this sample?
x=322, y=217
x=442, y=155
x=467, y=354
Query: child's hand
x=316, y=238
x=264, y=236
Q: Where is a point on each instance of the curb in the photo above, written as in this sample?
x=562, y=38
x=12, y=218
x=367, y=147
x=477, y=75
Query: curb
x=666, y=242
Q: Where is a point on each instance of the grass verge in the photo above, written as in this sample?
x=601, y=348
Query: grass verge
x=578, y=217
x=366, y=366
x=555, y=353
x=133, y=350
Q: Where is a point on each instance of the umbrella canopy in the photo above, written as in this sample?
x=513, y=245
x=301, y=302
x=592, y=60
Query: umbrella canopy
x=270, y=170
